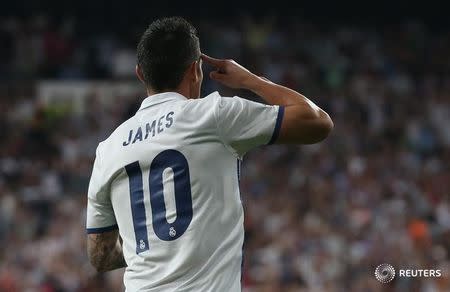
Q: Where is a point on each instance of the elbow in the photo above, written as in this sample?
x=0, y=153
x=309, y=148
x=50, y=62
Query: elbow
x=327, y=127
x=320, y=130
x=98, y=264
x=97, y=259
x=99, y=269
x=305, y=129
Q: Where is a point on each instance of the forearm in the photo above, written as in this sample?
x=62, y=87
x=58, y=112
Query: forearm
x=303, y=122
x=105, y=256
x=276, y=94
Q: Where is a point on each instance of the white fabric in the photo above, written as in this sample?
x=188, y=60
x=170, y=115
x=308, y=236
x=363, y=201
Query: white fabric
x=211, y=133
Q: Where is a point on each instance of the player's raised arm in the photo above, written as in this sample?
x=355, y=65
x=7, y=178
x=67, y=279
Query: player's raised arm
x=303, y=121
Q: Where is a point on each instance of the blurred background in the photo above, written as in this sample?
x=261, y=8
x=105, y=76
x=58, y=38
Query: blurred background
x=318, y=218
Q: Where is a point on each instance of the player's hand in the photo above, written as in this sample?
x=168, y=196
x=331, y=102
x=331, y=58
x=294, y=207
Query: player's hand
x=229, y=73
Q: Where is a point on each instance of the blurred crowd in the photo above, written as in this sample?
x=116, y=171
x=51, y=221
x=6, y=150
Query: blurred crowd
x=318, y=217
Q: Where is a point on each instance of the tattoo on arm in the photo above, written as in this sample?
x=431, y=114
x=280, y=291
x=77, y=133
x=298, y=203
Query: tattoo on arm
x=105, y=251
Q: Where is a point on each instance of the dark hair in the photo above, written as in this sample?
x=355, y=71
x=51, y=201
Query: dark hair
x=165, y=51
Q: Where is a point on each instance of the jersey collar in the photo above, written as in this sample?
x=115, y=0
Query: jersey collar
x=160, y=98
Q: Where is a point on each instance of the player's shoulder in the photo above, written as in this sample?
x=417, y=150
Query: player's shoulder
x=212, y=96
x=208, y=99
x=211, y=102
x=217, y=97
x=202, y=105
x=117, y=133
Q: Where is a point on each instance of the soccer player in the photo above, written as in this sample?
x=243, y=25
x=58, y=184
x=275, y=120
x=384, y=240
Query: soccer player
x=164, y=199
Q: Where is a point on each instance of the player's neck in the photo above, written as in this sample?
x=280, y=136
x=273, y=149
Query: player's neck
x=183, y=90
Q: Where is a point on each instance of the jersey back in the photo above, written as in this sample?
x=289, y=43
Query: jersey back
x=167, y=178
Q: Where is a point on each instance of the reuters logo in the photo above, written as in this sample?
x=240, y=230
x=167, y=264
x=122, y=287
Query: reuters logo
x=385, y=273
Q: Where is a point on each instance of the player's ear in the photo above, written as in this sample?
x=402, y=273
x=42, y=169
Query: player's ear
x=139, y=74
x=197, y=70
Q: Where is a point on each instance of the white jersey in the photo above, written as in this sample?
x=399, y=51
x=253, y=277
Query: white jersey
x=167, y=178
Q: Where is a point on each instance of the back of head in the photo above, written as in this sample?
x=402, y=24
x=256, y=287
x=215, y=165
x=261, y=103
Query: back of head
x=165, y=51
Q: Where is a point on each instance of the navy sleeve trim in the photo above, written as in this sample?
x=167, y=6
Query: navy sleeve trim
x=101, y=229
x=276, y=131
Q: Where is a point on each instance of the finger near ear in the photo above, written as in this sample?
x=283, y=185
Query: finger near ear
x=211, y=60
x=196, y=70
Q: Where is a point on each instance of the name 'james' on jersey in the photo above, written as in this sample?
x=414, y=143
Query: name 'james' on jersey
x=168, y=179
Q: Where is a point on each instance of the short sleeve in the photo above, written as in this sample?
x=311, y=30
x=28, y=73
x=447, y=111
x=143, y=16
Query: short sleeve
x=244, y=124
x=100, y=213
